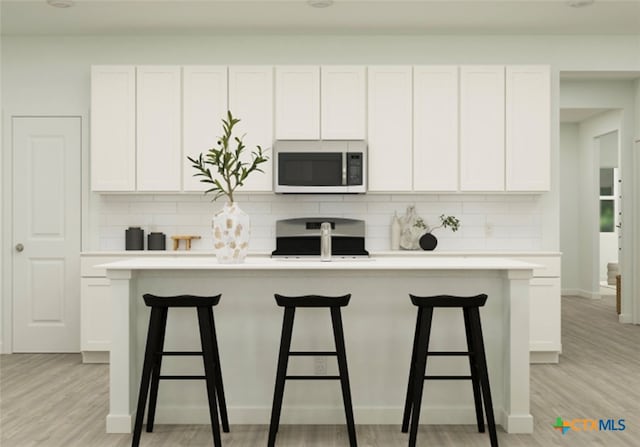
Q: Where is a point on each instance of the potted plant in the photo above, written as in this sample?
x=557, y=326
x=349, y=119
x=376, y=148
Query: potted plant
x=231, y=225
x=428, y=241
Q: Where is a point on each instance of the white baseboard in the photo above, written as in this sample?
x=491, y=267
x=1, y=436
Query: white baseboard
x=95, y=356
x=517, y=423
x=327, y=415
x=569, y=292
x=625, y=318
x=119, y=423
x=544, y=357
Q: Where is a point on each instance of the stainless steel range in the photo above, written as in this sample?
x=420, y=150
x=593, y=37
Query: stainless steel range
x=301, y=237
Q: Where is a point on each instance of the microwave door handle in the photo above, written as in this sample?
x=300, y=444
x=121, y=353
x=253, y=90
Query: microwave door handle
x=344, y=169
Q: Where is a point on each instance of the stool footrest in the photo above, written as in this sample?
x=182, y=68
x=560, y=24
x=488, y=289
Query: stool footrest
x=180, y=353
x=310, y=353
x=447, y=377
x=312, y=377
x=447, y=353
x=182, y=377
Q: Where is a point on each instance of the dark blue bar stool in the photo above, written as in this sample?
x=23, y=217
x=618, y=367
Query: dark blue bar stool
x=290, y=304
x=475, y=351
x=153, y=360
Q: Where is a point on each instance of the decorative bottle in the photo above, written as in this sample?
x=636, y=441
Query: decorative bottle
x=395, y=232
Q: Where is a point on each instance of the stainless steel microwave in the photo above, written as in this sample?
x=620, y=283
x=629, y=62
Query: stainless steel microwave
x=320, y=166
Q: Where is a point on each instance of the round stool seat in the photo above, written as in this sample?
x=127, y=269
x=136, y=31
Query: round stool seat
x=180, y=300
x=312, y=301
x=449, y=301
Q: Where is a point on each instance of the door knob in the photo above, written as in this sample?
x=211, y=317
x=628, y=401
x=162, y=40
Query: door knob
x=19, y=248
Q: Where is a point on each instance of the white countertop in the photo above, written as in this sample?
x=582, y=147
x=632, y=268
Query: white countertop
x=385, y=253
x=373, y=263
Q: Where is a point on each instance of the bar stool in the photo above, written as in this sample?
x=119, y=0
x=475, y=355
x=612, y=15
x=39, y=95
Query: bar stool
x=290, y=304
x=477, y=361
x=153, y=360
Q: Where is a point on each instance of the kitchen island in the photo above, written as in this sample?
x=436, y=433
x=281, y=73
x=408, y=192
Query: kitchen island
x=378, y=324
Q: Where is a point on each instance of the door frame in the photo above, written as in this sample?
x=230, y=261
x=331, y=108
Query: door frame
x=6, y=189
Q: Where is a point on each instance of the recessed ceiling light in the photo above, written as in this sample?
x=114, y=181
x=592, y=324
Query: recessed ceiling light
x=61, y=3
x=320, y=3
x=580, y=3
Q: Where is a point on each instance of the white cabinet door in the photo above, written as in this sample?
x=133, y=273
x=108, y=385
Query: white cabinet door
x=528, y=136
x=544, y=320
x=95, y=331
x=204, y=105
x=389, y=123
x=113, y=128
x=482, y=128
x=298, y=102
x=343, y=102
x=435, y=128
x=159, y=153
x=251, y=100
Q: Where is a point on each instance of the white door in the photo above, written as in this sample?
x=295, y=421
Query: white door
x=46, y=234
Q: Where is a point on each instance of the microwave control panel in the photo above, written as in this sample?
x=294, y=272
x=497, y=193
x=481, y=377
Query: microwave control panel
x=354, y=168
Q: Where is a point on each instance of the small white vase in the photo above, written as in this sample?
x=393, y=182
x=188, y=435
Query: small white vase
x=231, y=232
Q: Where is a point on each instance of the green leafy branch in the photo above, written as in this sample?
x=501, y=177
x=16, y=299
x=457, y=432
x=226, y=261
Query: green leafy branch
x=445, y=222
x=228, y=164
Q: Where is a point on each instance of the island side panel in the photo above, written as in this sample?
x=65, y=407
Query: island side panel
x=516, y=320
x=122, y=367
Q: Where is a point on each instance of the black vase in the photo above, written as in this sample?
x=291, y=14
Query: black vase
x=156, y=241
x=134, y=238
x=428, y=241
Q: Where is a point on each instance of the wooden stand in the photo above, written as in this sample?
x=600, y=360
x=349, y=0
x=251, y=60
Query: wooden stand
x=187, y=238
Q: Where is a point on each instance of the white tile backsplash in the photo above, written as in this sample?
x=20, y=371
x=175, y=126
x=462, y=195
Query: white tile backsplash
x=488, y=222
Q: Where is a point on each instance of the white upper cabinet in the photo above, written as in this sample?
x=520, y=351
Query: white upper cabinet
x=482, y=128
x=204, y=105
x=297, y=102
x=343, y=102
x=389, y=123
x=251, y=100
x=435, y=128
x=113, y=128
x=159, y=151
x=528, y=136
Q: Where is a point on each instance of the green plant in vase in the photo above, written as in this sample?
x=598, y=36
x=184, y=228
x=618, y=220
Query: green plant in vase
x=224, y=169
x=428, y=241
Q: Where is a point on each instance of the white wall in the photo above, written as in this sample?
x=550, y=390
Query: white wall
x=569, y=210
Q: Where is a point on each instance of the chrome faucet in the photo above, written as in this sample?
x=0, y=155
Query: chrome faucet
x=325, y=241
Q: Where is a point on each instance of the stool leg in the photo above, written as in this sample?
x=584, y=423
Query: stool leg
x=283, y=360
x=209, y=371
x=475, y=378
x=219, y=386
x=338, y=335
x=152, y=342
x=412, y=366
x=155, y=374
x=421, y=367
x=481, y=362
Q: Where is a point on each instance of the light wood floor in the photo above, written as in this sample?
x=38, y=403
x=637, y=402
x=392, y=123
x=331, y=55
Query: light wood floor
x=52, y=400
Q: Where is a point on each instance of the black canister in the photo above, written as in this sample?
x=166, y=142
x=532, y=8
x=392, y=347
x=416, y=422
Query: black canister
x=156, y=241
x=134, y=238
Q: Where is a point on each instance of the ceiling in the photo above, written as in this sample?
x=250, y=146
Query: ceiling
x=20, y=17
